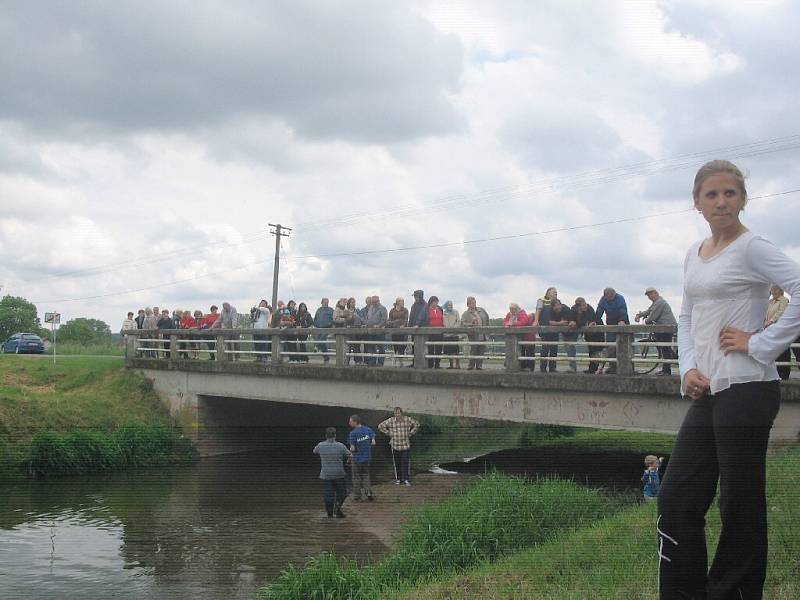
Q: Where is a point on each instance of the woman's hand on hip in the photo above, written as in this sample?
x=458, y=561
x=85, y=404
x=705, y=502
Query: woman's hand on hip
x=733, y=340
x=695, y=384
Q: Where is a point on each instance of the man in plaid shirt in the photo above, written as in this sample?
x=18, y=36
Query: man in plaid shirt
x=400, y=428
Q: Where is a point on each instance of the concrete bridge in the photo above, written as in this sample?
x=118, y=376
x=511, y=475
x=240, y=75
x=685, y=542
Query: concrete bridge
x=210, y=380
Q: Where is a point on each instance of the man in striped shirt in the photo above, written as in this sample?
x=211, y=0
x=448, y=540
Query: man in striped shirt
x=400, y=428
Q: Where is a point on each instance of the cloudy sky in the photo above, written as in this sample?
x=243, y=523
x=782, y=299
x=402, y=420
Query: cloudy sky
x=484, y=148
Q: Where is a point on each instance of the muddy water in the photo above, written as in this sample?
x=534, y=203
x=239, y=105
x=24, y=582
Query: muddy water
x=218, y=529
x=229, y=524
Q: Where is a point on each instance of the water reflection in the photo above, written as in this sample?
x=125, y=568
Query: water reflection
x=218, y=529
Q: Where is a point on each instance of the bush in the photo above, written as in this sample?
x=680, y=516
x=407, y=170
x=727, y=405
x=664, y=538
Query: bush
x=85, y=451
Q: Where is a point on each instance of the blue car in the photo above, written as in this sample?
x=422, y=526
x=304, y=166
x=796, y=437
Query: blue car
x=23, y=343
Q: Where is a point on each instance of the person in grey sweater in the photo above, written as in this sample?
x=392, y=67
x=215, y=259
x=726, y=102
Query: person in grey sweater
x=659, y=313
x=332, y=455
x=376, y=316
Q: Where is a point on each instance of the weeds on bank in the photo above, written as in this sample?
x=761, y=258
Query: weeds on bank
x=82, y=452
x=87, y=415
x=495, y=515
x=617, y=559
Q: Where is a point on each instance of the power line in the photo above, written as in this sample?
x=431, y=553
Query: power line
x=573, y=182
x=410, y=248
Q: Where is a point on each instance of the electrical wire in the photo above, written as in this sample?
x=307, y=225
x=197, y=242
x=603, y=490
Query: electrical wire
x=572, y=182
x=403, y=249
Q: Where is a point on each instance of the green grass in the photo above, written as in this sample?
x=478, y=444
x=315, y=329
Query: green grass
x=130, y=446
x=71, y=348
x=75, y=395
x=489, y=518
x=615, y=559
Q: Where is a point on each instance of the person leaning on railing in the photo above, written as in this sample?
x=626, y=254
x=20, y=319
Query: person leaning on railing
x=376, y=317
x=659, y=313
x=775, y=307
x=207, y=322
x=475, y=316
x=554, y=315
x=398, y=317
x=304, y=321
x=186, y=322
x=289, y=321
x=228, y=319
x=352, y=318
x=323, y=319
x=262, y=316
x=435, y=319
x=452, y=350
x=583, y=319
x=195, y=346
x=517, y=317
x=164, y=323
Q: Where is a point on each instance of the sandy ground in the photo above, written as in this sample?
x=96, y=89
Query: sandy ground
x=393, y=504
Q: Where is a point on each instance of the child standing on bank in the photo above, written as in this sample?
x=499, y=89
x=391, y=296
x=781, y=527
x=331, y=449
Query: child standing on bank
x=651, y=478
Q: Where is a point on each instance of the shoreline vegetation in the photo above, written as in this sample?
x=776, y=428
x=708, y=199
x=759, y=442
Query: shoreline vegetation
x=80, y=416
x=504, y=537
x=481, y=521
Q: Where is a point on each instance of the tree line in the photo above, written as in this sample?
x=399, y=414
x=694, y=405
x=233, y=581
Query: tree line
x=18, y=315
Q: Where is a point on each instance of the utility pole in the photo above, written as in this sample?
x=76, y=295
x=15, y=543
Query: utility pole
x=278, y=232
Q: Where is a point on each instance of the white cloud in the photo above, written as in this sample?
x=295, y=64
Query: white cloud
x=167, y=138
x=644, y=32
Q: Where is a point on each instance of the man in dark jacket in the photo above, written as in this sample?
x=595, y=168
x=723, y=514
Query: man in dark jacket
x=418, y=315
x=165, y=322
x=583, y=319
x=323, y=319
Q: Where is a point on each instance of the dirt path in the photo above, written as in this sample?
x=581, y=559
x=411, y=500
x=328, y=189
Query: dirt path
x=394, y=503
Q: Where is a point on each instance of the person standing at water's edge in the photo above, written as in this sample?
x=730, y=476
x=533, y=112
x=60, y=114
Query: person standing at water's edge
x=400, y=428
x=332, y=455
x=361, y=440
x=727, y=368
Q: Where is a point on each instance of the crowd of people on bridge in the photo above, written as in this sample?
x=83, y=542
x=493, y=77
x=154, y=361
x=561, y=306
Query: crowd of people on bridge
x=577, y=322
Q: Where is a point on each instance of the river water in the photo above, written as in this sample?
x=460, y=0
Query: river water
x=218, y=529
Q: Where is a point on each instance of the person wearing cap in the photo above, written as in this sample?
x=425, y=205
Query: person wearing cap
x=659, y=313
x=418, y=315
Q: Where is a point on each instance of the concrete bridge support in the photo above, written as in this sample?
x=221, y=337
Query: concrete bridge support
x=208, y=396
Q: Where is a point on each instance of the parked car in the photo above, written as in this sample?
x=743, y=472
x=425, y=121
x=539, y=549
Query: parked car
x=24, y=343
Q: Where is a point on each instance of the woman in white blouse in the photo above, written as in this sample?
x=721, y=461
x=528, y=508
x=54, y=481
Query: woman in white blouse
x=727, y=367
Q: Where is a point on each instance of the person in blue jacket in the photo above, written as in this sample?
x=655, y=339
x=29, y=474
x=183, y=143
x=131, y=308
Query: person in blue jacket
x=651, y=479
x=361, y=439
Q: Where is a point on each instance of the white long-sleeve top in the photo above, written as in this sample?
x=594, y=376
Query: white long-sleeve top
x=732, y=289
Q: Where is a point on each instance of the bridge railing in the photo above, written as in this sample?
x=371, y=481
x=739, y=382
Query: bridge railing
x=624, y=349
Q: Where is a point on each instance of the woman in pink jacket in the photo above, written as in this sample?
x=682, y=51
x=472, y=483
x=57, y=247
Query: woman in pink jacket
x=517, y=317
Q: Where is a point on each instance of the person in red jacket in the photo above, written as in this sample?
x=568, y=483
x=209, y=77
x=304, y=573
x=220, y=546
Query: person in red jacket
x=435, y=319
x=205, y=323
x=517, y=317
x=186, y=322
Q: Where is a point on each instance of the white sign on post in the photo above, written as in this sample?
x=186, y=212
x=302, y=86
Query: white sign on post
x=54, y=319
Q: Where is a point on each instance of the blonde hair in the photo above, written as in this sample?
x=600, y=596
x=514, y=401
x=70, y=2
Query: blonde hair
x=716, y=167
x=650, y=459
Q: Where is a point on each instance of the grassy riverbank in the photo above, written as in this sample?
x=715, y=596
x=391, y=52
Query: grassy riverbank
x=488, y=518
x=615, y=559
x=73, y=349
x=89, y=413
